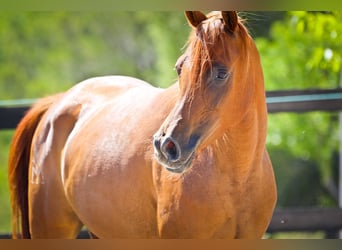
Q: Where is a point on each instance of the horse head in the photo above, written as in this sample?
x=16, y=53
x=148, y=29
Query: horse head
x=217, y=79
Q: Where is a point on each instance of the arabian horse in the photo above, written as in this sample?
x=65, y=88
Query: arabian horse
x=128, y=160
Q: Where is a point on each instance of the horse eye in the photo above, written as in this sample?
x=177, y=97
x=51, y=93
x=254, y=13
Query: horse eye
x=179, y=63
x=221, y=74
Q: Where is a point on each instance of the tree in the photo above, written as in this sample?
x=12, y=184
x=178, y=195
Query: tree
x=304, y=51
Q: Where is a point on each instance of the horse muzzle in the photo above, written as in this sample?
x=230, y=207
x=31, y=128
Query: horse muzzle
x=171, y=155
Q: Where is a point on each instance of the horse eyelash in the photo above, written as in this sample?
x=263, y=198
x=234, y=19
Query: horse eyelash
x=178, y=70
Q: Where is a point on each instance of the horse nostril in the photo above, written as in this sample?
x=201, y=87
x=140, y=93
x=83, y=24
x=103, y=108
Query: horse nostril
x=170, y=149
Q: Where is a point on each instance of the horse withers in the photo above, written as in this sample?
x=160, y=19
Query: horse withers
x=128, y=160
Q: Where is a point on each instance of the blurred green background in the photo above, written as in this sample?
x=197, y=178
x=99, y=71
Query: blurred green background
x=46, y=52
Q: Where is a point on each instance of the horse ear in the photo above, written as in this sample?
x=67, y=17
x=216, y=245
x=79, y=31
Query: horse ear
x=230, y=19
x=195, y=17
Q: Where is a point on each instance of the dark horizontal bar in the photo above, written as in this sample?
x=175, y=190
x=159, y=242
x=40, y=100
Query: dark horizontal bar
x=12, y=111
x=306, y=219
x=277, y=93
x=82, y=235
x=304, y=100
x=11, y=116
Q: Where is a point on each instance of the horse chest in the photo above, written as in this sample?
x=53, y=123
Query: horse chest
x=195, y=219
x=198, y=206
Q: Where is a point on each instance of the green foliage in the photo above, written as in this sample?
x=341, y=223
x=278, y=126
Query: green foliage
x=299, y=182
x=169, y=41
x=311, y=137
x=5, y=140
x=45, y=52
x=304, y=51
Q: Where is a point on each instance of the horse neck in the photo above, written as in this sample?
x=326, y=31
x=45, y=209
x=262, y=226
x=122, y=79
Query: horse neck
x=243, y=146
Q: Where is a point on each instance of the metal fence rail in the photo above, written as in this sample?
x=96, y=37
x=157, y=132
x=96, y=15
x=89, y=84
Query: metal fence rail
x=306, y=219
x=297, y=101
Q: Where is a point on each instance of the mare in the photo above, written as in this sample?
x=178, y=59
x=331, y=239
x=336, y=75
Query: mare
x=128, y=160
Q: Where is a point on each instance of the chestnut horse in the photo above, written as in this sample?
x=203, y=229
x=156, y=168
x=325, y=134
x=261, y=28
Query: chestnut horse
x=127, y=160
